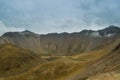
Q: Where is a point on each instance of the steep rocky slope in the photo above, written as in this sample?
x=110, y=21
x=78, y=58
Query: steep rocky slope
x=63, y=43
x=110, y=62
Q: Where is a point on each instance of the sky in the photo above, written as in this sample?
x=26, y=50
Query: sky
x=47, y=16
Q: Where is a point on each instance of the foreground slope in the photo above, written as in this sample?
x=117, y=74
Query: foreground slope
x=110, y=65
x=15, y=60
x=106, y=64
x=78, y=67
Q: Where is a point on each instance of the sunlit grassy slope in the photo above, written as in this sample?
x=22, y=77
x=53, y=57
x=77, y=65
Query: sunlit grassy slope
x=78, y=67
x=15, y=60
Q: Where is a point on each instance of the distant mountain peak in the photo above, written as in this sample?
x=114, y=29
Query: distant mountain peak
x=27, y=31
x=23, y=33
x=111, y=30
x=113, y=26
x=10, y=34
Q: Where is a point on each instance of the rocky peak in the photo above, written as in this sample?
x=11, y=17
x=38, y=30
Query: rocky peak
x=111, y=30
x=18, y=34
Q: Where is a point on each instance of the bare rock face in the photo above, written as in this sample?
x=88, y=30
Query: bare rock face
x=64, y=43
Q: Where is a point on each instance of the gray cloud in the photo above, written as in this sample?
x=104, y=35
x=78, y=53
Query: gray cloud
x=45, y=16
x=4, y=28
x=101, y=12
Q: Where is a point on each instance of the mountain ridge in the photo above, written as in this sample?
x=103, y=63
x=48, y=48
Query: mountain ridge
x=63, y=43
x=110, y=28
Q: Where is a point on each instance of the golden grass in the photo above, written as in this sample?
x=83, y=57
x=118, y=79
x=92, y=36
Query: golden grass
x=64, y=68
x=15, y=60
